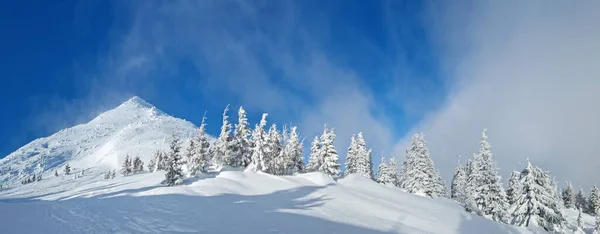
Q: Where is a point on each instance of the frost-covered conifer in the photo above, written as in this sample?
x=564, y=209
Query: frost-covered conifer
x=459, y=181
x=174, y=175
x=329, y=154
x=67, y=169
x=314, y=159
x=581, y=201
x=222, y=148
x=294, y=150
x=56, y=173
x=202, y=157
x=579, y=222
x=594, y=201
x=259, y=150
x=536, y=202
x=383, y=173
x=138, y=165
x=358, y=159
x=241, y=144
x=513, y=187
x=190, y=154
x=351, y=157
x=568, y=196
x=486, y=195
x=275, y=159
x=419, y=175
x=126, y=167
x=392, y=170
x=597, y=223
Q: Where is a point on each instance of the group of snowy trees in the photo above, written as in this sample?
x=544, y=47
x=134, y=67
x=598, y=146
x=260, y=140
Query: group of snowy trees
x=132, y=166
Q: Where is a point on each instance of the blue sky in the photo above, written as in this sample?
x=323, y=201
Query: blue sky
x=386, y=68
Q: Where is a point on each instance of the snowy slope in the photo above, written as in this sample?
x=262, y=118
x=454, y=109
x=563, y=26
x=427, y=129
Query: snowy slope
x=230, y=202
x=135, y=128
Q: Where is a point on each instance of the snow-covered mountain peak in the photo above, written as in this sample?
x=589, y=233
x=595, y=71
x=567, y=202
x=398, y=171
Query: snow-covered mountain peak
x=135, y=127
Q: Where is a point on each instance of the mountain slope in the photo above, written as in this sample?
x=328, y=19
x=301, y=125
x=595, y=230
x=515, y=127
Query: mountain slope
x=134, y=127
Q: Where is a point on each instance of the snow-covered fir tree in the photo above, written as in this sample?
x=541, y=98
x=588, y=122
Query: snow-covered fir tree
x=202, y=156
x=67, y=169
x=419, y=175
x=241, y=145
x=459, y=181
x=568, y=196
x=222, y=148
x=513, y=187
x=174, y=175
x=392, y=170
x=294, y=150
x=259, y=150
x=329, y=154
x=485, y=193
x=126, y=166
x=351, y=157
x=536, y=203
x=138, y=165
x=581, y=201
x=383, y=173
x=594, y=201
x=358, y=159
x=190, y=154
x=274, y=158
x=579, y=222
x=314, y=159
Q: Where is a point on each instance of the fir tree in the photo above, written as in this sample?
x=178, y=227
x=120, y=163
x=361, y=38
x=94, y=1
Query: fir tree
x=513, y=187
x=418, y=172
x=259, y=150
x=358, y=159
x=392, y=169
x=223, y=153
x=314, y=159
x=174, y=175
x=351, y=157
x=126, y=167
x=579, y=222
x=329, y=154
x=190, y=154
x=594, y=201
x=485, y=195
x=67, y=169
x=202, y=159
x=274, y=158
x=580, y=201
x=138, y=165
x=459, y=181
x=536, y=202
x=241, y=145
x=383, y=173
x=56, y=173
x=568, y=196
x=294, y=149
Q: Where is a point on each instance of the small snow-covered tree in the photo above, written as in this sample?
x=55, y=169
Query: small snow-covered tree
x=568, y=196
x=223, y=151
x=459, y=181
x=581, y=201
x=202, y=157
x=67, y=169
x=579, y=222
x=351, y=157
x=126, y=167
x=358, y=159
x=241, y=144
x=513, y=187
x=419, y=175
x=536, y=202
x=190, y=154
x=594, y=201
x=174, y=175
x=260, y=147
x=383, y=173
x=486, y=195
x=274, y=158
x=138, y=165
x=314, y=159
x=294, y=150
x=392, y=170
x=329, y=154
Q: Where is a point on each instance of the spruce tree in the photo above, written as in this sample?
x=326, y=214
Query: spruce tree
x=190, y=155
x=274, y=159
x=67, y=169
x=126, y=167
x=513, y=187
x=581, y=201
x=203, y=157
x=594, y=201
x=392, y=170
x=174, y=175
x=351, y=157
x=241, y=145
x=536, y=202
x=486, y=195
x=138, y=165
x=223, y=153
x=259, y=150
x=383, y=173
x=329, y=154
x=579, y=222
x=419, y=175
x=294, y=148
x=314, y=159
x=358, y=159
x=459, y=181
x=568, y=196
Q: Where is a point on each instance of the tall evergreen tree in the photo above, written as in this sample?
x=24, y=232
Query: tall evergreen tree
x=329, y=154
x=292, y=152
x=190, y=154
x=274, y=159
x=536, y=202
x=138, y=165
x=581, y=201
x=314, y=159
x=223, y=152
x=174, y=175
x=383, y=173
x=393, y=170
x=203, y=156
x=126, y=167
x=260, y=147
x=359, y=158
x=459, y=181
x=486, y=195
x=418, y=173
x=568, y=196
x=594, y=201
x=241, y=145
x=513, y=187
x=351, y=157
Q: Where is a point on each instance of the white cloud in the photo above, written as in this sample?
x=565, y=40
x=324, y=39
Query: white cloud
x=530, y=73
